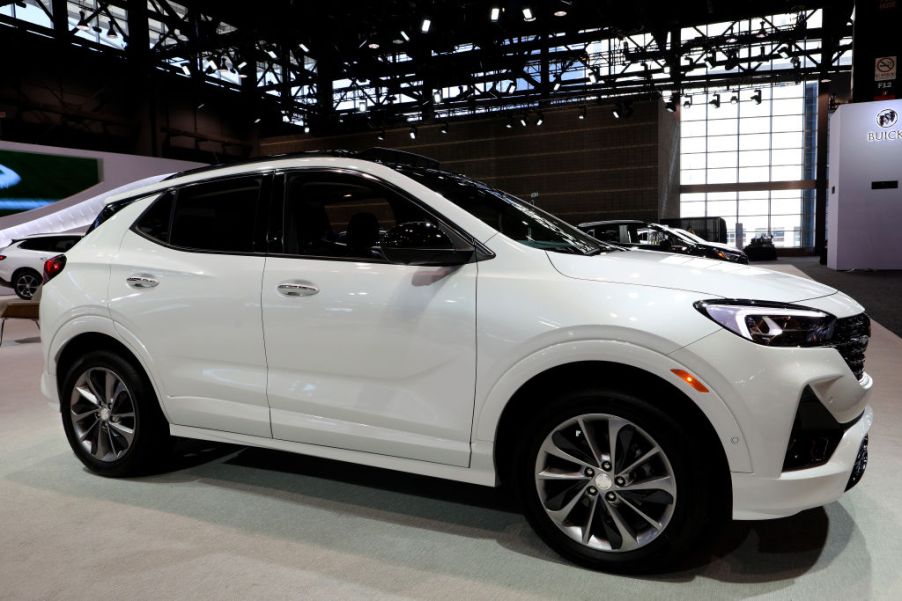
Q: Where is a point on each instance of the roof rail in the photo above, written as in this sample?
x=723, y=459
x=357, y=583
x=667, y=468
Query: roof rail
x=382, y=155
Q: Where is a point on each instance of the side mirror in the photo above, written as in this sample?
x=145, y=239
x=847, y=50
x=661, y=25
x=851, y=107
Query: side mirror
x=422, y=243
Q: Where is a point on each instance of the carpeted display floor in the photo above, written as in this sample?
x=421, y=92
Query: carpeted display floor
x=231, y=523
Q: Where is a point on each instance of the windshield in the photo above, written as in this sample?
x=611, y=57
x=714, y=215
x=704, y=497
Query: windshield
x=690, y=235
x=511, y=216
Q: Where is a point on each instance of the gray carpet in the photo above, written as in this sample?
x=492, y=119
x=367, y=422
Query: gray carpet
x=229, y=523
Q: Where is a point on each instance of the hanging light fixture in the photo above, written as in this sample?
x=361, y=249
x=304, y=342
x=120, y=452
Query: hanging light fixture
x=82, y=22
x=756, y=96
x=111, y=32
x=715, y=101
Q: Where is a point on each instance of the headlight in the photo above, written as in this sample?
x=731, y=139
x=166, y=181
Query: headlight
x=771, y=324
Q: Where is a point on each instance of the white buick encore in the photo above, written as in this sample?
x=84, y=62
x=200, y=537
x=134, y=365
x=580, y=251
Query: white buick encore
x=372, y=308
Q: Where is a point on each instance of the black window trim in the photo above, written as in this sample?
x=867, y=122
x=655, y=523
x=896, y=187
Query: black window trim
x=261, y=219
x=277, y=214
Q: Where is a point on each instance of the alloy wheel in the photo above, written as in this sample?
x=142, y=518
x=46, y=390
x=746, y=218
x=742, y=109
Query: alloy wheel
x=103, y=416
x=605, y=482
x=26, y=285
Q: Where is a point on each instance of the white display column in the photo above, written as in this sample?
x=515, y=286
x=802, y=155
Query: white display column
x=864, y=200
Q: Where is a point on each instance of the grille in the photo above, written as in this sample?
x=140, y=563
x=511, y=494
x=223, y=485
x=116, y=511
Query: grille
x=850, y=338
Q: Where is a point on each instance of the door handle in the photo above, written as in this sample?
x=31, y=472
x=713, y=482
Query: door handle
x=141, y=281
x=296, y=289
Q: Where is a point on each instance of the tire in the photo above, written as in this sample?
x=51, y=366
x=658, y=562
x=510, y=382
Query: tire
x=26, y=282
x=98, y=431
x=546, y=482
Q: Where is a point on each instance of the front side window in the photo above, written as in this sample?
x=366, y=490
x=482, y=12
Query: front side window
x=217, y=216
x=340, y=215
x=511, y=216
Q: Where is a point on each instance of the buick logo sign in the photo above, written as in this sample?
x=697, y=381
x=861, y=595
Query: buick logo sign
x=887, y=118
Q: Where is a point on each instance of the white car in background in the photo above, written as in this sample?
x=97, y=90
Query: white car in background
x=22, y=262
x=630, y=399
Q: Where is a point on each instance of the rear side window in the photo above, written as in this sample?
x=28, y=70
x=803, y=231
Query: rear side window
x=39, y=244
x=55, y=244
x=214, y=216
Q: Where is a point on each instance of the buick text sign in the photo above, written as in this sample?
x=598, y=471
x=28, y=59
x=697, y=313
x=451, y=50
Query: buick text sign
x=887, y=119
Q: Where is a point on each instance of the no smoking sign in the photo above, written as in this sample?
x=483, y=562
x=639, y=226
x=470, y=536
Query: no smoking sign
x=885, y=68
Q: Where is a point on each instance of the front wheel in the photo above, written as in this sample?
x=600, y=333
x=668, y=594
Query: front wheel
x=111, y=416
x=26, y=283
x=613, y=483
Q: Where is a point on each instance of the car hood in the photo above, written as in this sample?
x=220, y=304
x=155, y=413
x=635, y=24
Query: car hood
x=694, y=274
x=723, y=247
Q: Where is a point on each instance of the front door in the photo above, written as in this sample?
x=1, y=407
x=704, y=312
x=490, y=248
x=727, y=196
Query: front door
x=363, y=354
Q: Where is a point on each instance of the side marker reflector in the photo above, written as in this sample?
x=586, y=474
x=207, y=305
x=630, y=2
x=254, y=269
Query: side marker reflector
x=688, y=378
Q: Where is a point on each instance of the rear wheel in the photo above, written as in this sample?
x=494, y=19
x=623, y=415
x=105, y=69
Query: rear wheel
x=613, y=483
x=111, y=416
x=26, y=282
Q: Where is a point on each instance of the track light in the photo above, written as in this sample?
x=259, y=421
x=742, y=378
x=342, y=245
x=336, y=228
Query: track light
x=304, y=48
x=560, y=13
x=373, y=45
x=510, y=123
x=271, y=53
x=111, y=32
x=523, y=121
x=757, y=96
x=405, y=36
x=582, y=113
x=622, y=109
x=734, y=99
x=715, y=101
x=427, y=23
x=527, y=14
x=257, y=120
x=361, y=106
x=540, y=119
x=437, y=96
x=82, y=22
x=511, y=87
x=687, y=102
x=444, y=128
x=185, y=69
x=381, y=135
x=306, y=129
x=495, y=14
x=796, y=62
x=785, y=51
x=413, y=132
x=591, y=76
x=711, y=60
x=671, y=105
x=557, y=85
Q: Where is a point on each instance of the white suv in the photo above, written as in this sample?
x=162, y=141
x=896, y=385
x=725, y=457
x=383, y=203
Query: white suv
x=388, y=313
x=22, y=262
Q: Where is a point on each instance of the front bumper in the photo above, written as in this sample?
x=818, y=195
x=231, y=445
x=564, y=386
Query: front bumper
x=758, y=498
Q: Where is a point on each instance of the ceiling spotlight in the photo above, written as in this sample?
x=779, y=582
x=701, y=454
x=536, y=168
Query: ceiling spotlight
x=511, y=87
x=304, y=48
x=762, y=33
x=784, y=51
x=734, y=99
x=437, y=96
x=413, y=132
x=715, y=101
x=427, y=23
x=825, y=79
x=671, y=105
x=527, y=14
x=495, y=14
x=510, y=123
x=111, y=33
x=306, y=129
x=397, y=41
x=622, y=109
x=82, y=22
x=241, y=65
x=271, y=53
x=185, y=69
x=201, y=105
x=796, y=62
x=687, y=102
x=557, y=85
x=381, y=135
x=444, y=128
x=257, y=120
x=405, y=36
x=560, y=13
x=540, y=119
x=523, y=121
x=373, y=45
x=711, y=60
x=361, y=106
x=223, y=65
x=757, y=96
x=582, y=113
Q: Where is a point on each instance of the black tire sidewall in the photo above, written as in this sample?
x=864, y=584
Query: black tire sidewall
x=678, y=443
x=151, y=429
x=19, y=274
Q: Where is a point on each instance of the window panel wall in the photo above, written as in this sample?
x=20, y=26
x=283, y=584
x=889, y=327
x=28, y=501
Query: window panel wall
x=748, y=143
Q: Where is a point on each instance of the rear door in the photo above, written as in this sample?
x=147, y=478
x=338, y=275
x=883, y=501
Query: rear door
x=186, y=285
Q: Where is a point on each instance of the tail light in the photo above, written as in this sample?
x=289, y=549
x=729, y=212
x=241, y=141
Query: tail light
x=2, y=257
x=53, y=267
